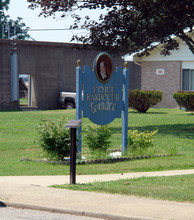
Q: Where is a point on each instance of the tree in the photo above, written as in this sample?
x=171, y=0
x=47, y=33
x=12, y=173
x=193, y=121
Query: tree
x=128, y=25
x=11, y=28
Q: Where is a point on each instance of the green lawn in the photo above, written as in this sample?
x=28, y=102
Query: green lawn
x=175, y=134
x=176, y=188
x=23, y=101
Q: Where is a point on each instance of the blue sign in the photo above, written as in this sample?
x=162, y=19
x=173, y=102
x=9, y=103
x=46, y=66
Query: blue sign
x=102, y=93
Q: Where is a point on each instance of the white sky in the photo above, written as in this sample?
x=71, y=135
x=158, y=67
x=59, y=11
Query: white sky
x=19, y=8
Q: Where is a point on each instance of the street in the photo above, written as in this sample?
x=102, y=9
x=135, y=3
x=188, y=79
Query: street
x=26, y=214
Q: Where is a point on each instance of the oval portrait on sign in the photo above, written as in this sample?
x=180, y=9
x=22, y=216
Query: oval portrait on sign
x=103, y=68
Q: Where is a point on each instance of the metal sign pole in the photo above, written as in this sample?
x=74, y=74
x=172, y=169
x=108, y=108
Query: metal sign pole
x=73, y=157
x=73, y=124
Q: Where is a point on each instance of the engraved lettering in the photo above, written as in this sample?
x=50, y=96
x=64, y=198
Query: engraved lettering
x=103, y=98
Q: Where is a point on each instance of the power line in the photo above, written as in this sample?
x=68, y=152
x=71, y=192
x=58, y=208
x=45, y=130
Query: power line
x=57, y=29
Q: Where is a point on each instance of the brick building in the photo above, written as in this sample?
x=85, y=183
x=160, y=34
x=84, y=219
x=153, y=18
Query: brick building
x=167, y=73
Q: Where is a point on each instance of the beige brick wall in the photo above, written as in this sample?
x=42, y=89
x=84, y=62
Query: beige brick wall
x=169, y=83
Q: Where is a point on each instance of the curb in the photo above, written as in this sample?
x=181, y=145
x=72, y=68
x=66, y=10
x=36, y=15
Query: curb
x=72, y=212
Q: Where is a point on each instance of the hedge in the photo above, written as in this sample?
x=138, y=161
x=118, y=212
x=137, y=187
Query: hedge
x=185, y=99
x=143, y=100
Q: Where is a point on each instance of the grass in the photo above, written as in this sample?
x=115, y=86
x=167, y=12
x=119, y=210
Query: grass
x=175, y=134
x=23, y=101
x=175, y=188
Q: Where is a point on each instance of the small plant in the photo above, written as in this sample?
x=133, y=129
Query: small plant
x=140, y=140
x=54, y=138
x=185, y=99
x=97, y=139
x=143, y=100
x=174, y=150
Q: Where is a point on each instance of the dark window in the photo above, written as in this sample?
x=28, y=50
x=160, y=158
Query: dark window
x=188, y=80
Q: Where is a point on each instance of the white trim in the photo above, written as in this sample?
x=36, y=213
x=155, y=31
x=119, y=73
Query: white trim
x=188, y=65
x=182, y=54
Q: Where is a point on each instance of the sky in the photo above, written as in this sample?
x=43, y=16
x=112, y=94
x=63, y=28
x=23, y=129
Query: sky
x=19, y=8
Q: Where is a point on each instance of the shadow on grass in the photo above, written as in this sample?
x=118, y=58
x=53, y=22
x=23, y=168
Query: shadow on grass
x=6, y=111
x=181, y=130
x=147, y=113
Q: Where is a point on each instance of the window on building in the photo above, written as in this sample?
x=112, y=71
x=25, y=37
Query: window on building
x=188, y=80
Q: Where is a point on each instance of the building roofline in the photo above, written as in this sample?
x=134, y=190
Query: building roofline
x=44, y=43
x=137, y=59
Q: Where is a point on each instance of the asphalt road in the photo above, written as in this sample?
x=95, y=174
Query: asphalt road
x=25, y=214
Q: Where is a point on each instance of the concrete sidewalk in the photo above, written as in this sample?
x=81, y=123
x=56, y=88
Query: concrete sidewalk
x=32, y=192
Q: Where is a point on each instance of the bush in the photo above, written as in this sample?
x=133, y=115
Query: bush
x=54, y=138
x=143, y=100
x=97, y=139
x=185, y=99
x=140, y=140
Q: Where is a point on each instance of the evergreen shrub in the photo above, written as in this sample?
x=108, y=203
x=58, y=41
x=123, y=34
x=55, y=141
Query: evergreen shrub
x=143, y=100
x=185, y=99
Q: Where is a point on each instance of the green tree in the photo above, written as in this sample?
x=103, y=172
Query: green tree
x=128, y=25
x=11, y=28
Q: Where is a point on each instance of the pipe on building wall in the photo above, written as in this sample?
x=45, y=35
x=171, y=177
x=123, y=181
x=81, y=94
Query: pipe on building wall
x=14, y=77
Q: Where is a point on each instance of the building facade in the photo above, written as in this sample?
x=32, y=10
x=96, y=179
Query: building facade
x=50, y=68
x=167, y=73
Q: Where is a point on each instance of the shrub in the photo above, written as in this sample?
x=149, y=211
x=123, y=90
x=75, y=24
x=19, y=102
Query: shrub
x=143, y=100
x=185, y=99
x=140, y=140
x=54, y=138
x=97, y=139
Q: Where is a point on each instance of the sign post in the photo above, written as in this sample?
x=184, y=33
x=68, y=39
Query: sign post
x=79, y=105
x=125, y=109
x=73, y=124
